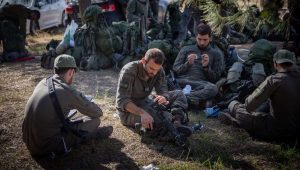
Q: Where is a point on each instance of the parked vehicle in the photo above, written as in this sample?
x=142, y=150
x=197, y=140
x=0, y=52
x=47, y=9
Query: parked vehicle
x=52, y=12
x=112, y=10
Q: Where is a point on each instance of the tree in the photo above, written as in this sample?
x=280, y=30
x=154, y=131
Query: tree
x=83, y=4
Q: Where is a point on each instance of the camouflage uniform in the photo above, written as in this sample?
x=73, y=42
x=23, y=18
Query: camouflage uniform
x=133, y=88
x=42, y=128
x=282, y=118
x=200, y=80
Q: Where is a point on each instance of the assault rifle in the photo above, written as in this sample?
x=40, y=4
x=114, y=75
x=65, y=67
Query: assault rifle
x=180, y=133
x=172, y=82
x=245, y=90
x=142, y=30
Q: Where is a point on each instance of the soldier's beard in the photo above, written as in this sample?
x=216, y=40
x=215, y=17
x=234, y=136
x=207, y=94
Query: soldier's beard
x=149, y=74
x=202, y=47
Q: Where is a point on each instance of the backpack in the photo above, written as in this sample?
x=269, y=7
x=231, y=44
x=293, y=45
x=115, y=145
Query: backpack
x=47, y=60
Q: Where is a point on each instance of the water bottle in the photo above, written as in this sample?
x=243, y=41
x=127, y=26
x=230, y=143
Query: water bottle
x=187, y=89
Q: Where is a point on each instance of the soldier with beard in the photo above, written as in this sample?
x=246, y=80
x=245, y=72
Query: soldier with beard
x=136, y=81
x=199, y=66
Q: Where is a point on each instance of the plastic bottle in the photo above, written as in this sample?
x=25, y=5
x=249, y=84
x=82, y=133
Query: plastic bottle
x=187, y=89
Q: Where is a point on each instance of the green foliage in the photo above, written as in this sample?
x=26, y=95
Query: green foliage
x=220, y=15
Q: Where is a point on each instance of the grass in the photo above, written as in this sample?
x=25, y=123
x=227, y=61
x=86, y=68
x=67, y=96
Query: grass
x=216, y=146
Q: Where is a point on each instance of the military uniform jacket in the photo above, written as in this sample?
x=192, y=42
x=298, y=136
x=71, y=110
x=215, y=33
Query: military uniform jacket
x=283, y=91
x=42, y=126
x=133, y=87
x=18, y=14
x=195, y=72
x=135, y=9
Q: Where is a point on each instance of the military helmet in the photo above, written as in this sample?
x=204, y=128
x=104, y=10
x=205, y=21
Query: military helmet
x=91, y=13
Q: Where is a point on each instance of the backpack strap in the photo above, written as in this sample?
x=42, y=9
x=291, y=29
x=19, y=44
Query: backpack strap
x=65, y=121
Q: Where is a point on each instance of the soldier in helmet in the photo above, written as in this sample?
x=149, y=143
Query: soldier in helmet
x=93, y=41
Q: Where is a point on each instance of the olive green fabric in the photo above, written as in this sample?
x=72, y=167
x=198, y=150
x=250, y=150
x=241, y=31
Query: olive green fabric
x=94, y=42
x=284, y=56
x=174, y=18
x=92, y=13
x=42, y=128
x=64, y=61
x=13, y=40
x=262, y=51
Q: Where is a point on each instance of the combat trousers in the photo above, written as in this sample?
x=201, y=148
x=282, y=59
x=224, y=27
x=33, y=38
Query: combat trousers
x=62, y=144
x=188, y=14
x=178, y=105
x=259, y=124
x=201, y=90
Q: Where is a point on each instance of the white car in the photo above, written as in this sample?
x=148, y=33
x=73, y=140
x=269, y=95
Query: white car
x=52, y=12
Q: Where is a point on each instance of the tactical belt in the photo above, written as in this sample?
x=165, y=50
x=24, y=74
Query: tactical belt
x=65, y=121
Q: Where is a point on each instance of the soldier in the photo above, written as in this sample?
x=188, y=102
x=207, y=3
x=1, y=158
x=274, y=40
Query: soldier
x=189, y=12
x=136, y=82
x=281, y=119
x=45, y=130
x=93, y=41
x=139, y=11
x=136, y=9
x=199, y=66
x=154, y=4
x=18, y=14
x=13, y=28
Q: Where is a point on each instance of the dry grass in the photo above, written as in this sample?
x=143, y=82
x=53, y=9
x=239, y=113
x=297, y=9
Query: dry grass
x=216, y=147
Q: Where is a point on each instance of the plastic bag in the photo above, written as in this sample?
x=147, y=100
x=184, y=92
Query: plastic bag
x=68, y=40
x=69, y=34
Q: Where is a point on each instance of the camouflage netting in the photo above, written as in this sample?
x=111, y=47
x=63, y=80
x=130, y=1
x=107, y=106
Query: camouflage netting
x=92, y=13
x=93, y=41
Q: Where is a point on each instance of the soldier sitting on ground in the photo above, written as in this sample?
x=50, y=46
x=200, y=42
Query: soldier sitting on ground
x=93, y=41
x=281, y=119
x=136, y=81
x=199, y=66
x=47, y=129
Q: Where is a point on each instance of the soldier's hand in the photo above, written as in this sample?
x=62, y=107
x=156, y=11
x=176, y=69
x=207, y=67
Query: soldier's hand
x=160, y=99
x=191, y=58
x=146, y=120
x=205, y=60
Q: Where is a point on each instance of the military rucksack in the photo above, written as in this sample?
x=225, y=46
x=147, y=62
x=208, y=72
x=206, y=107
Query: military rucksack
x=47, y=59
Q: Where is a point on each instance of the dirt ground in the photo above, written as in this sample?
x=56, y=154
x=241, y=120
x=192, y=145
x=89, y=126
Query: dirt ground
x=217, y=146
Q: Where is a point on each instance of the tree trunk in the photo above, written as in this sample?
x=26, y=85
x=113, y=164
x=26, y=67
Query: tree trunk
x=83, y=4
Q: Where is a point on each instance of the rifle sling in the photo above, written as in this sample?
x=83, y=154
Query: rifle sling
x=58, y=110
